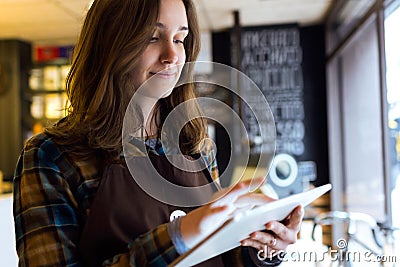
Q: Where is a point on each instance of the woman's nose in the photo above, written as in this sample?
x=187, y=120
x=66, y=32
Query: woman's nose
x=169, y=54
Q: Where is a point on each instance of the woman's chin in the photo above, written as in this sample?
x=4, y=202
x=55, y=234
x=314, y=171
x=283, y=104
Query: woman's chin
x=167, y=94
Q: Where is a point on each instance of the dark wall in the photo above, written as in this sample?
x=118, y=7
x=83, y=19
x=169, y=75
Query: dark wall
x=316, y=138
x=221, y=50
x=15, y=61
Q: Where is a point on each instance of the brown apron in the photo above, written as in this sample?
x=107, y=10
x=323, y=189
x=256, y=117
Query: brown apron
x=121, y=210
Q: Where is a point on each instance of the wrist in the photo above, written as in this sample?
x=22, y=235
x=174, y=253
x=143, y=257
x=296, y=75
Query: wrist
x=188, y=232
x=175, y=234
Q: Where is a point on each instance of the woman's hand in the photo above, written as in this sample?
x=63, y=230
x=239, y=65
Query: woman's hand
x=201, y=222
x=278, y=235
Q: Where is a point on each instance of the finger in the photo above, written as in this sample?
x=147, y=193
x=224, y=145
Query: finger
x=215, y=217
x=294, y=219
x=282, y=232
x=229, y=195
x=213, y=211
x=264, y=248
x=240, y=210
x=253, y=243
x=253, y=200
x=265, y=238
x=297, y=215
x=256, y=183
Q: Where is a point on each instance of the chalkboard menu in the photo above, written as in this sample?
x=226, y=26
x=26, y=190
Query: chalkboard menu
x=272, y=58
x=287, y=63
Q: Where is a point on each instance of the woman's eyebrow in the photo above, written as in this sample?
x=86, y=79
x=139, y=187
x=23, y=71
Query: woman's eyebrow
x=164, y=27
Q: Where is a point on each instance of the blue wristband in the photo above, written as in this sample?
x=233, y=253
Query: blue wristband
x=174, y=231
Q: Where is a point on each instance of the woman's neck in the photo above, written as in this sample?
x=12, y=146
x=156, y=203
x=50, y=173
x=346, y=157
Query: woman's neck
x=147, y=105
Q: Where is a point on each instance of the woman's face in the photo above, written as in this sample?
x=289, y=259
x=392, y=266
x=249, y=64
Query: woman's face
x=164, y=56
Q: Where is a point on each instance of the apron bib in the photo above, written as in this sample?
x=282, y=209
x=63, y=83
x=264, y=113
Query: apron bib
x=121, y=210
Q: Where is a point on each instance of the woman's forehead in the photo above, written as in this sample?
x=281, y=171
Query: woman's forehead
x=173, y=15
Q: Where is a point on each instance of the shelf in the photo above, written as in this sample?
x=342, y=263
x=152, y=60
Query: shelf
x=44, y=91
x=46, y=96
x=50, y=77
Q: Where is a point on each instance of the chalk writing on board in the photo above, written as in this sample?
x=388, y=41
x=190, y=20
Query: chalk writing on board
x=272, y=58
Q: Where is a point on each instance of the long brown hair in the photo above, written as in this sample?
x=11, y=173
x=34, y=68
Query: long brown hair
x=113, y=36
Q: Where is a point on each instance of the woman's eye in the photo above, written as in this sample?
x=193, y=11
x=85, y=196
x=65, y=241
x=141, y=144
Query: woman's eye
x=179, y=41
x=154, y=39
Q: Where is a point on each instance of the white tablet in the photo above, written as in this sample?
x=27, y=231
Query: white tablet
x=229, y=235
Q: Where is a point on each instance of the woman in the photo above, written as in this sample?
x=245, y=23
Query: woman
x=69, y=201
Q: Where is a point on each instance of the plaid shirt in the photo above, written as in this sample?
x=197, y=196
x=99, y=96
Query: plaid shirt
x=52, y=197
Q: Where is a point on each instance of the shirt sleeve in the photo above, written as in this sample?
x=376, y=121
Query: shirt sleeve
x=46, y=224
x=47, y=221
x=153, y=249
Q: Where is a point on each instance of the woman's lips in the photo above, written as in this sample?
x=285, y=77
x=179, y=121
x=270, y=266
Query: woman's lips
x=164, y=74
